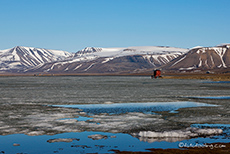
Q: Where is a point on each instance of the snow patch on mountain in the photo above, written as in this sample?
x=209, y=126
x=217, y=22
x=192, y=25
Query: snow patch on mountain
x=196, y=47
x=227, y=45
x=179, y=60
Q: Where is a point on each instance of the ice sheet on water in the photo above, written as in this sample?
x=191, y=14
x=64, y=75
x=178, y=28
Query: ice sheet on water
x=119, y=108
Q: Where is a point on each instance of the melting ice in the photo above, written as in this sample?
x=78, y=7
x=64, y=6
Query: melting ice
x=149, y=107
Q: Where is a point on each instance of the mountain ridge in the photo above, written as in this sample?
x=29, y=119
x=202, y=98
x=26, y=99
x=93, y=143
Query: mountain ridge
x=20, y=57
x=215, y=58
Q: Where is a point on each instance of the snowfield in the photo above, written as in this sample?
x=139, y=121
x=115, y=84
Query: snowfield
x=119, y=52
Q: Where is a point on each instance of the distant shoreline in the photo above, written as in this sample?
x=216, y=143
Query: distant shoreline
x=213, y=77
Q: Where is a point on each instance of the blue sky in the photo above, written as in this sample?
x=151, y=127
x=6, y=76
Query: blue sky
x=72, y=25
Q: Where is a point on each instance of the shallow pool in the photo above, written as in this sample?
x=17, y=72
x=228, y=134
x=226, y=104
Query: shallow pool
x=119, y=108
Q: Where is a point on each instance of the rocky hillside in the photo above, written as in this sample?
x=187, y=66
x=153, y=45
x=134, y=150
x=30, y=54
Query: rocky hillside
x=20, y=58
x=202, y=59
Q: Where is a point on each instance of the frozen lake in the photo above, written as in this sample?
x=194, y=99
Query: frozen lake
x=148, y=113
x=103, y=89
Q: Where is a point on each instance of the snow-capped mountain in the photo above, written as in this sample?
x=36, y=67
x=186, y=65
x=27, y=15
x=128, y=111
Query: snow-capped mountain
x=20, y=58
x=202, y=59
x=112, y=60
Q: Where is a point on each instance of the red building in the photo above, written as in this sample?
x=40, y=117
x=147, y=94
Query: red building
x=156, y=73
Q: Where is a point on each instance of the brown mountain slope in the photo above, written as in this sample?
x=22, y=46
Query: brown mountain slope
x=202, y=59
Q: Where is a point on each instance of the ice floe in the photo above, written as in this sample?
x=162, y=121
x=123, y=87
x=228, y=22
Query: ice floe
x=62, y=140
x=98, y=136
x=187, y=133
x=35, y=133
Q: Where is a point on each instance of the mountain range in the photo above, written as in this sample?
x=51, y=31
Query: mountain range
x=114, y=60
